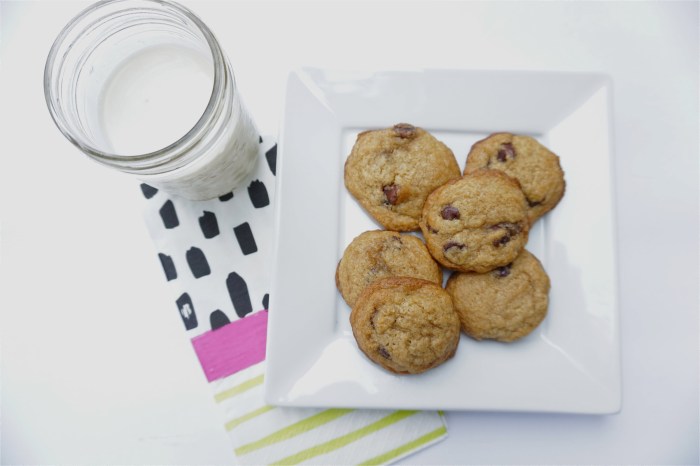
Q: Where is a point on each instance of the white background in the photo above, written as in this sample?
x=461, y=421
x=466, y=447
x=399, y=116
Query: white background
x=96, y=367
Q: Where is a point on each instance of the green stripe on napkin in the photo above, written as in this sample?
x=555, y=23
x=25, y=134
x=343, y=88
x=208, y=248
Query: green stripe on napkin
x=406, y=447
x=298, y=428
x=240, y=388
x=345, y=439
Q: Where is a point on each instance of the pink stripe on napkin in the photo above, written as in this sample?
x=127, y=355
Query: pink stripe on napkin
x=233, y=347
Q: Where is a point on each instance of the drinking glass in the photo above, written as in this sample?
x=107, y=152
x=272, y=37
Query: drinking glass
x=144, y=87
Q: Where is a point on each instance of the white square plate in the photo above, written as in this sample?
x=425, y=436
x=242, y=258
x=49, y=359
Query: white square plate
x=570, y=363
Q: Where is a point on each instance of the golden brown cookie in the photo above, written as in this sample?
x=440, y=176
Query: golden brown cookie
x=381, y=254
x=476, y=223
x=533, y=165
x=406, y=325
x=505, y=304
x=391, y=172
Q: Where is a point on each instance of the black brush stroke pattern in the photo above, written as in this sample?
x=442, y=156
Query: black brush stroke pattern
x=197, y=262
x=168, y=266
x=258, y=194
x=148, y=191
x=168, y=214
x=245, y=238
x=271, y=156
x=209, y=224
x=186, y=308
x=238, y=292
x=218, y=319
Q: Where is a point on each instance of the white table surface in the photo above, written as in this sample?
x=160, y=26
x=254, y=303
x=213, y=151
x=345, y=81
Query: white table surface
x=96, y=368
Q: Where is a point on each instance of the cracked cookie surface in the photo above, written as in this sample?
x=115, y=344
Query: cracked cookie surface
x=477, y=222
x=406, y=325
x=505, y=304
x=381, y=254
x=536, y=168
x=391, y=172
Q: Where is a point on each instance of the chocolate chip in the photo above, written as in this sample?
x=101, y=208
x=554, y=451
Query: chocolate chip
x=384, y=352
x=501, y=272
x=393, y=243
x=372, y=318
x=450, y=212
x=506, y=151
x=453, y=244
x=404, y=130
x=512, y=228
x=501, y=241
x=392, y=194
x=532, y=203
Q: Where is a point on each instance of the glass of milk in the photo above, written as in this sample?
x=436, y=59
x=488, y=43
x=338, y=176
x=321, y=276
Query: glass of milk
x=144, y=87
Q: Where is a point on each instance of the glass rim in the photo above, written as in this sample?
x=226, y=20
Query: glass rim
x=159, y=157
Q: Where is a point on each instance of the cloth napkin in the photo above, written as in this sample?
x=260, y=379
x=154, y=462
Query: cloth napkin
x=216, y=259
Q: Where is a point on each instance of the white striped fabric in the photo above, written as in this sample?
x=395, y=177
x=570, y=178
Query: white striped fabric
x=263, y=434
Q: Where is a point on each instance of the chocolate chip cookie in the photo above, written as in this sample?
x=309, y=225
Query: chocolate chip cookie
x=476, y=223
x=380, y=254
x=536, y=168
x=505, y=304
x=406, y=325
x=391, y=172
